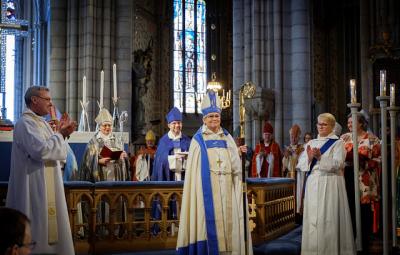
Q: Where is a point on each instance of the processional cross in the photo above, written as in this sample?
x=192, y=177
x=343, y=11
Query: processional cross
x=9, y=25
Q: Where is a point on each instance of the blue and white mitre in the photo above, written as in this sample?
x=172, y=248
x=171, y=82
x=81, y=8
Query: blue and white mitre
x=174, y=115
x=210, y=103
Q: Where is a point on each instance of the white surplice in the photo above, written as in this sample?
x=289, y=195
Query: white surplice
x=27, y=185
x=327, y=225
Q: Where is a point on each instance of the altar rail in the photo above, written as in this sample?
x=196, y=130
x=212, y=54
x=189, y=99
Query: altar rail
x=117, y=216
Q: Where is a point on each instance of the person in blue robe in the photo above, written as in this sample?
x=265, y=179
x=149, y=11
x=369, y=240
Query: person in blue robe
x=70, y=165
x=170, y=158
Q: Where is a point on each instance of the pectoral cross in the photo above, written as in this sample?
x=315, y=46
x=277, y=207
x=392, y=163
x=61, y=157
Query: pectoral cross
x=219, y=162
x=9, y=25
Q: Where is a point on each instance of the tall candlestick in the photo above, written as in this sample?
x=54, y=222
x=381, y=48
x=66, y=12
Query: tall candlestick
x=101, y=87
x=392, y=95
x=382, y=83
x=353, y=91
x=115, y=80
x=84, y=90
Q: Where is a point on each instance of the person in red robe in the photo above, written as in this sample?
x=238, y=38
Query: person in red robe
x=267, y=158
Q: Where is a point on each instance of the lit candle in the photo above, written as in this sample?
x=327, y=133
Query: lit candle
x=84, y=90
x=101, y=88
x=382, y=83
x=353, y=92
x=115, y=80
x=392, y=95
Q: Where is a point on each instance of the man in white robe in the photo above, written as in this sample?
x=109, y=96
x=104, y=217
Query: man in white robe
x=327, y=225
x=35, y=186
x=211, y=219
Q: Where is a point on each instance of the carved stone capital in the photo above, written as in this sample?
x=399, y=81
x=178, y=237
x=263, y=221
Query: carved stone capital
x=262, y=103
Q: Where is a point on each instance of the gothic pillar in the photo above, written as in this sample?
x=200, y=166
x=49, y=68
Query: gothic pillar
x=300, y=77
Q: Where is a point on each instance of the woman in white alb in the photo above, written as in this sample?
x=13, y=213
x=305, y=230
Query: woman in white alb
x=327, y=225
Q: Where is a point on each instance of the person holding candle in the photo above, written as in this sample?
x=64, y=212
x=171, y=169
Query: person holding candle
x=327, y=225
x=369, y=150
x=170, y=158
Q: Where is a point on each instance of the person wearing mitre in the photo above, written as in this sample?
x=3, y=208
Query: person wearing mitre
x=142, y=166
x=212, y=218
x=170, y=158
x=267, y=156
x=290, y=159
x=94, y=166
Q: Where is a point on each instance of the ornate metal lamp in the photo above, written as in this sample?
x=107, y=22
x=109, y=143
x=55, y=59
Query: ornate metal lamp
x=216, y=86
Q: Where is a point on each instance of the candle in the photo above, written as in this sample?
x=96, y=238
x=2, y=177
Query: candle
x=392, y=95
x=84, y=90
x=353, y=92
x=101, y=88
x=382, y=84
x=115, y=80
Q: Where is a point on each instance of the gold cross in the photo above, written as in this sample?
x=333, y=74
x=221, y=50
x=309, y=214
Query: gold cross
x=219, y=162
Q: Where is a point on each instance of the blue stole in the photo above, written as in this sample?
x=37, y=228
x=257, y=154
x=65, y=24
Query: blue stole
x=323, y=149
x=212, y=239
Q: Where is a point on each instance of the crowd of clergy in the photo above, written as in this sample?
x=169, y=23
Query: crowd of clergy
x=209, y=163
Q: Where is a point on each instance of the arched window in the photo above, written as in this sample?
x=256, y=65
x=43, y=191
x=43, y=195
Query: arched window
x=12, y=27
x=189, y=62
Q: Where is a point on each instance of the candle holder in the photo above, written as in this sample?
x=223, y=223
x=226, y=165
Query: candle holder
x=115, y=113
x=84, y=120
x=225, y=99
x=354, y=118
x=383, y=101
x=393, y=110
x=122, y=119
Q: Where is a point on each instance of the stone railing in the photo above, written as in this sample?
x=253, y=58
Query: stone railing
x=134, y=216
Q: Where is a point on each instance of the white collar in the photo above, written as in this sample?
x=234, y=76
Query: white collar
x=173, y=137
x=206, y=130
x=330, y=136
x=103, y=136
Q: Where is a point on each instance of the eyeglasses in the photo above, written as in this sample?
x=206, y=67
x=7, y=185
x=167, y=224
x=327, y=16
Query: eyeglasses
x=30, y=245
x=44, y=98
x=322, y=124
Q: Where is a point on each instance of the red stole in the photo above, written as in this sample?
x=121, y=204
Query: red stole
x=276, y=152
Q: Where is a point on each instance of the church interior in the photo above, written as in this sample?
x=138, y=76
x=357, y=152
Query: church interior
x=140, y=58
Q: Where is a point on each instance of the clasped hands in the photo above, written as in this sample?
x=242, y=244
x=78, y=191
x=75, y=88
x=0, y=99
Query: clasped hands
x=66, y=126
x=313, y=153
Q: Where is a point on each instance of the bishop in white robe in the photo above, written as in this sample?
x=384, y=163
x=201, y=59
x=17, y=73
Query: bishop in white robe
x=211, y=219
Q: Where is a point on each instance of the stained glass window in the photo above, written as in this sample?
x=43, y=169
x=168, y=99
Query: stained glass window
x=189, y=54
x=11, y=27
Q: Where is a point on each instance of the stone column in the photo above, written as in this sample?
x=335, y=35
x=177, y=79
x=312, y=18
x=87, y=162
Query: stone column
x=300, y=78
